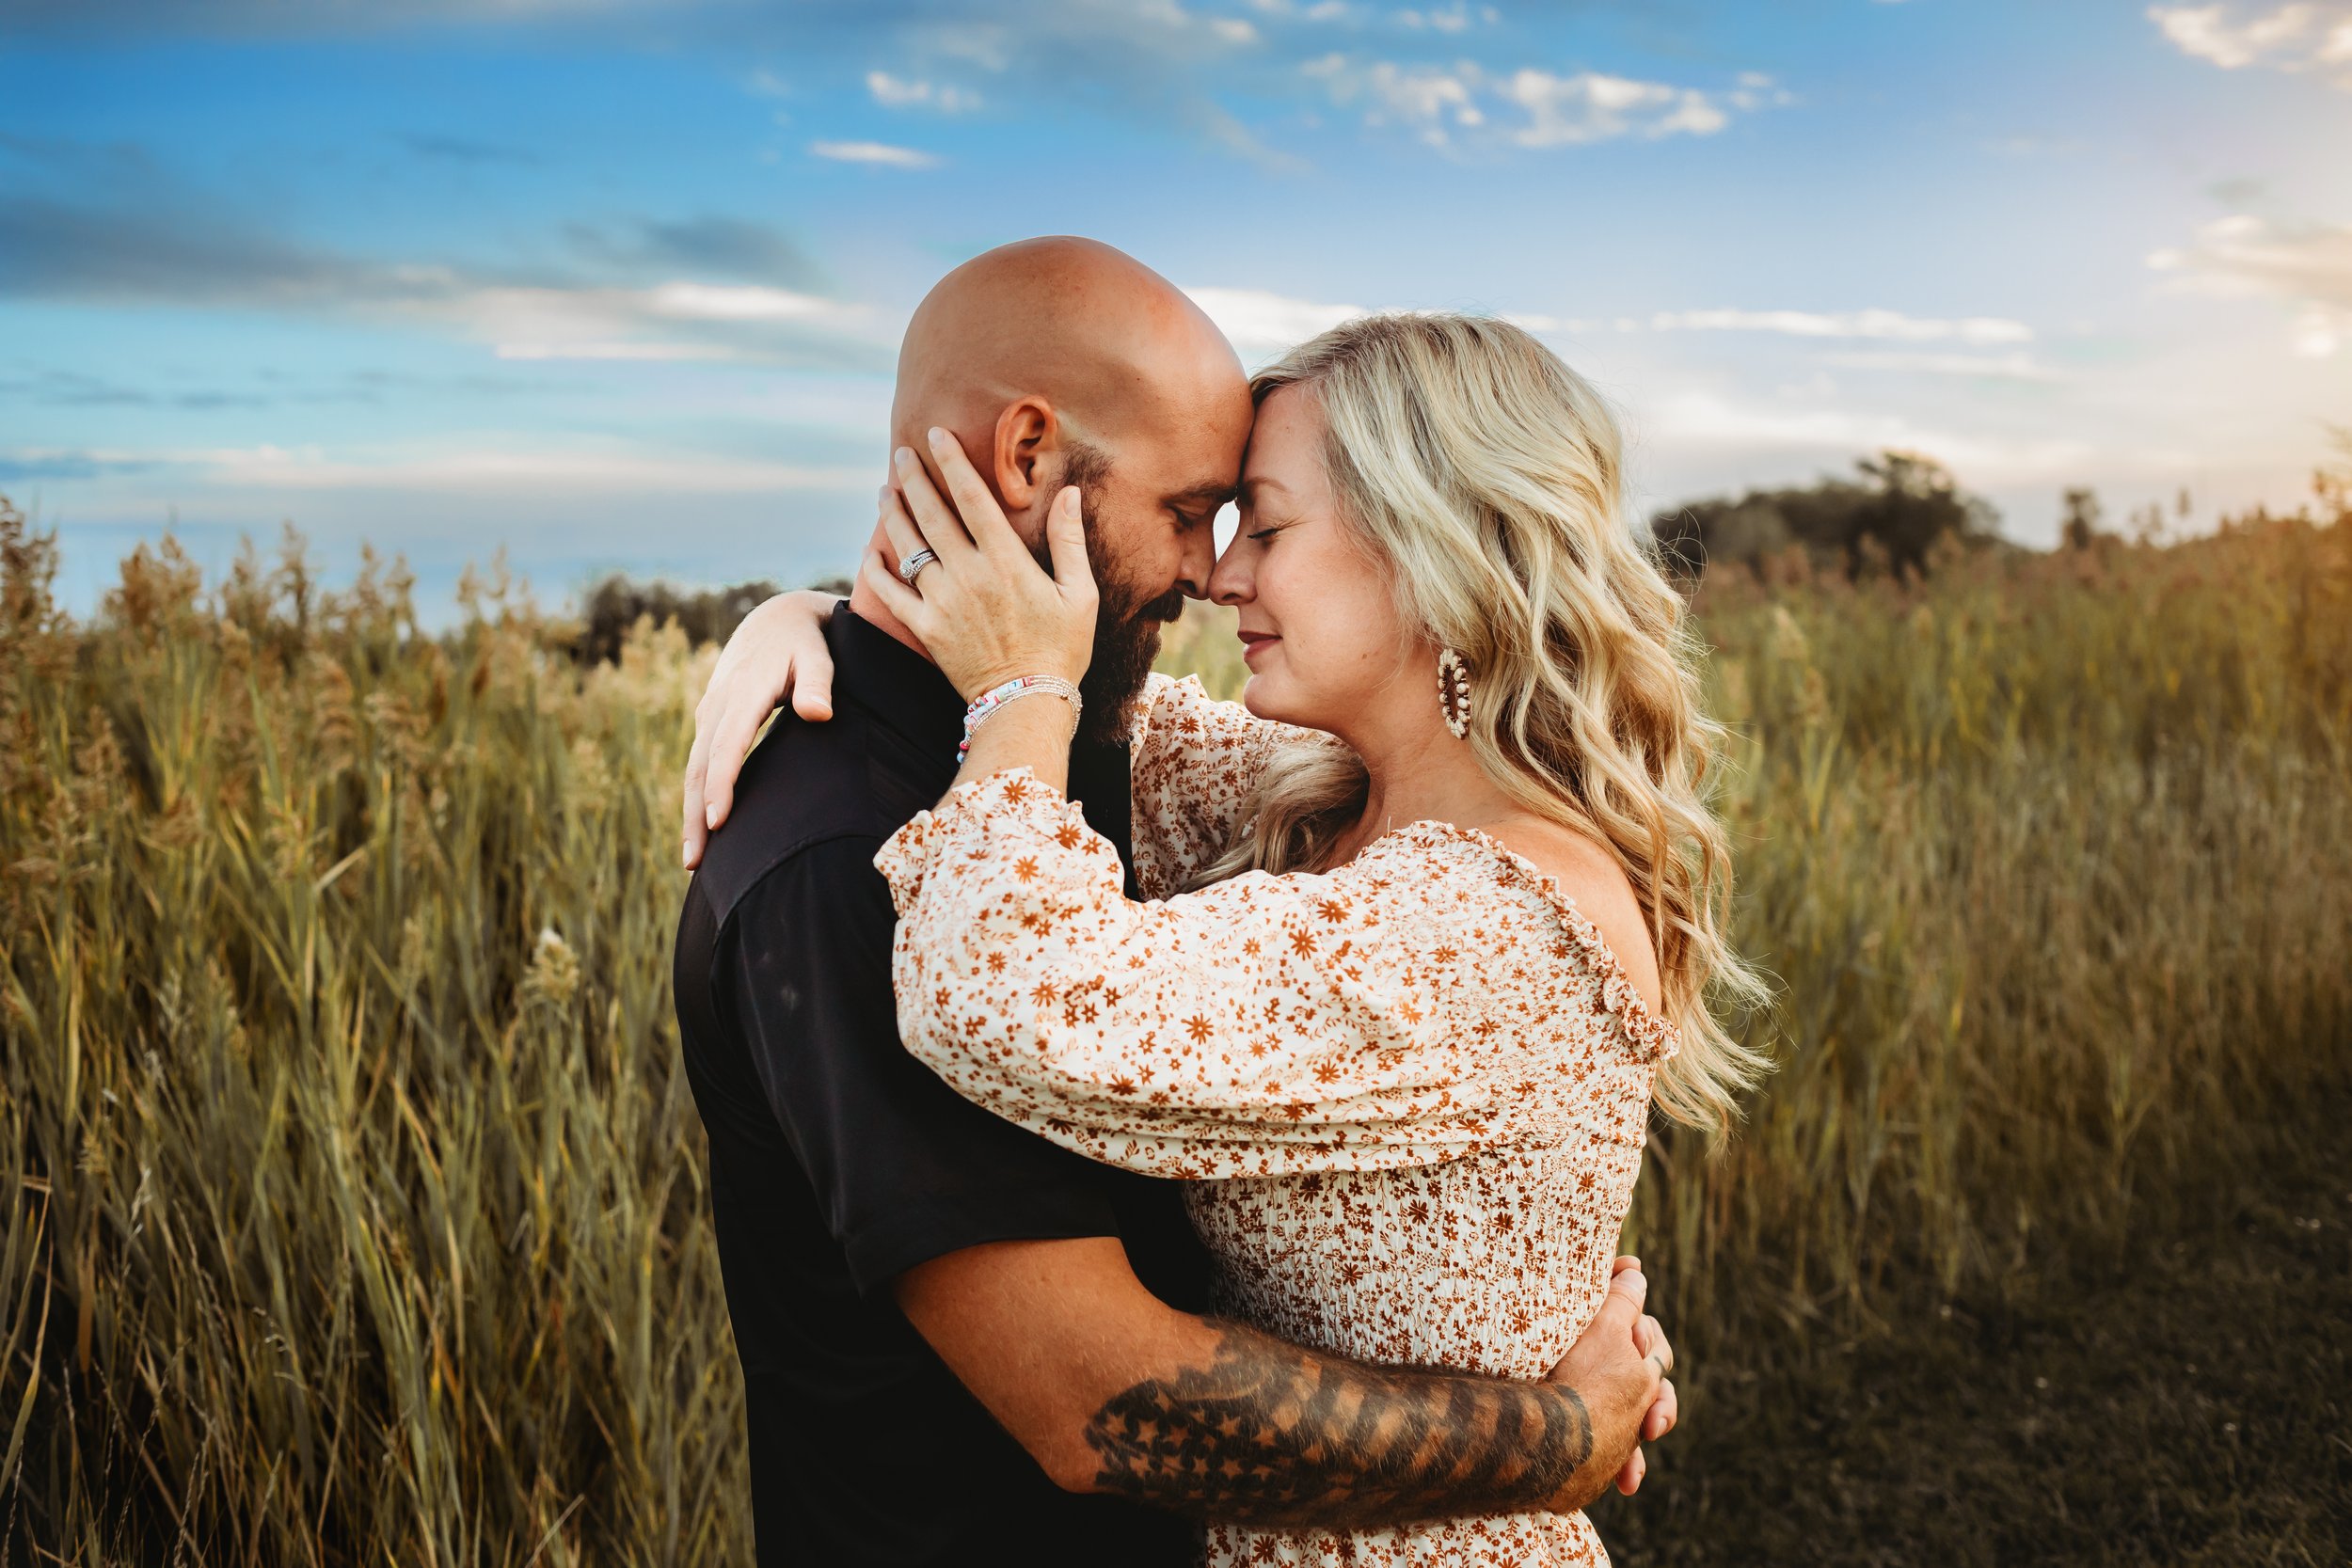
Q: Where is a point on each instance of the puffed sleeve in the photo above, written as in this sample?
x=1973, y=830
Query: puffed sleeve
x=1194, y=762
x=1265, y=1025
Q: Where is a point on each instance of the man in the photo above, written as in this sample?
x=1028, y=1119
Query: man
x=961, y=1343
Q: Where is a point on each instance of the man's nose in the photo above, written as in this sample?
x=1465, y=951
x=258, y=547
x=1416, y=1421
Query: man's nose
x=1199, y=563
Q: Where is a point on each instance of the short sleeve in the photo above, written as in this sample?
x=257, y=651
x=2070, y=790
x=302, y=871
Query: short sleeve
x=905, y=1170
x=1195, y=762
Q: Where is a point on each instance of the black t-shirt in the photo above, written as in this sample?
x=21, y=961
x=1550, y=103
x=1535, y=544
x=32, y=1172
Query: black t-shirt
x=837, y=1161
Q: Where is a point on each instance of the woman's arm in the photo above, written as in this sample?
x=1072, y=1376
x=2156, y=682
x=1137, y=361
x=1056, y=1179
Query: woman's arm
x=1265, y=1025
x=1195, y=762
x=1262, y=1025
x=778, y=651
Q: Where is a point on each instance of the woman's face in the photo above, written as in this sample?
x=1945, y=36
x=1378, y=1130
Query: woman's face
x=1319, y=628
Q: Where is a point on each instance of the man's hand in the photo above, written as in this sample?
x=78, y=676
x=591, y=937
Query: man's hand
x=1620, y=1367
x=777, y=652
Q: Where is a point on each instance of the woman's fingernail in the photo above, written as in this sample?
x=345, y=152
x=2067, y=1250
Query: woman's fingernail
x=905, y=457
x=939, y=437
x=710, y=816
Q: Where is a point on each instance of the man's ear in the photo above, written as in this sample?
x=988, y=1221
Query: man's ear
x=1028, y=433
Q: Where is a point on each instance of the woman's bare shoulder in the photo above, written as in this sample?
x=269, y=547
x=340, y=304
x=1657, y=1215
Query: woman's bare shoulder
x=1589, y=873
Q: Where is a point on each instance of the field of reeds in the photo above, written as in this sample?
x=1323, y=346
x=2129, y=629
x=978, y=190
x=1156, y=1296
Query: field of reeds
x=351, y=1202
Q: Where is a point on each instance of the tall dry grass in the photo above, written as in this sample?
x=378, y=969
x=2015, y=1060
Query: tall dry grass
x=350, y=1204
x=352, y=1208
x=2052, y=857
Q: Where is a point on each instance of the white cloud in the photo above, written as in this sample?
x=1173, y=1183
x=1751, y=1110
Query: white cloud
x=1891, y=325
x=1528, y=107
x=1590, y=107
x=896, y=92
x=2002, y=367
x=1757, y=91
x=1541, y=324
x=1709, y=420
x=1153, y=60
x=880, y=154
x=2305, y=35
x=734, y=302
x=2246, y=257
x=642, y=351
x=498, y=469
x=1452, y=19
x=674, y=321
x=1255, y=319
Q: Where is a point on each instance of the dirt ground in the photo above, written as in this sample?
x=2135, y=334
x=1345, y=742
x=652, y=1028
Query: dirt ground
x=2187, y=1400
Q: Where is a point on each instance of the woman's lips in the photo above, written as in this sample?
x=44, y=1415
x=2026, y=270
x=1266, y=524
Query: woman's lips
x=1252, y=641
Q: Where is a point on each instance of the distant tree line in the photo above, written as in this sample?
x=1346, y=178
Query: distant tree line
x=706, y=615
x=1892, y=515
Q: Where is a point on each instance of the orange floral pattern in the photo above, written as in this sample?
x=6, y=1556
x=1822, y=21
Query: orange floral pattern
x=1412, y=1090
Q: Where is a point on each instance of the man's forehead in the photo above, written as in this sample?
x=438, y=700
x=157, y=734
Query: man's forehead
x=1177, y=472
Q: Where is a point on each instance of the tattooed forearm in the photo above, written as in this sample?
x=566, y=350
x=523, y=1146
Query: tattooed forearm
x=1270, y=1434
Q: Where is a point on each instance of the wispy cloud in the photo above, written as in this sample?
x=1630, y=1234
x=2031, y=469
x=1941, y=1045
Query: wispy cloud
x=1892, y=324
x=2303, y=36
x=176, y=252
x=1711, y=420
x=1455, y=18
x=2243, y=256
x=1993, y=367
x=1466, y=102
x=478, y=469
x=447, y=469
x=880, y=154
x=712, y=246
x=678, y=320
x=21, y=464
x=899, y=92
x=1157, y=61
x=75, y=390
x=1256, y=319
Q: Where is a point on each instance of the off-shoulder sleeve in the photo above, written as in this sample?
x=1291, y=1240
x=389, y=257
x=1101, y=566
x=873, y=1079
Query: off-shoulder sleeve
x=1265, y=1025
x=1194, y=761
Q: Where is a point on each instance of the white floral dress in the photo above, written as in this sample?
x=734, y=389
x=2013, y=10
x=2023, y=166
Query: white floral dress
x=1412, y=1092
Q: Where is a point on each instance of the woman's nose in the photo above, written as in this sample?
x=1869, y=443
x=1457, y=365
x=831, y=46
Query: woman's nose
x=1229, y=584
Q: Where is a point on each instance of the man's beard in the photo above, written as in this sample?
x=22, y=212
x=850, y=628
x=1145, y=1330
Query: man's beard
x=1126, y=625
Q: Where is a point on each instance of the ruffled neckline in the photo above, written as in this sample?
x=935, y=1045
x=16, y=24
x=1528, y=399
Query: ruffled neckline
x=1656, y=1036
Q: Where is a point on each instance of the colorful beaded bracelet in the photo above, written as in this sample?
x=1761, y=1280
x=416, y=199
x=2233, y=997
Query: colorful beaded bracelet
x=997, y=696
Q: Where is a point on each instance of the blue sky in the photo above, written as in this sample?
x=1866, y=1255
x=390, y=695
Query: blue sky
x=617, y=283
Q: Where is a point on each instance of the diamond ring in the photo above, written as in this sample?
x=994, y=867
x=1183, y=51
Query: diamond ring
x=913, y=564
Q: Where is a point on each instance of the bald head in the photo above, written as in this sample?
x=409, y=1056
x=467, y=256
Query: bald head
x=1106, y=344
x=1062, y=361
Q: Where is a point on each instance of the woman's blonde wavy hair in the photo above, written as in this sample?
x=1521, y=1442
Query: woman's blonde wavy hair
x=1486, y=476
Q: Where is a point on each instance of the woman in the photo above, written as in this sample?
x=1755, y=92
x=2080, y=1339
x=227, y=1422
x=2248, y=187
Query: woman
x=1434, y=917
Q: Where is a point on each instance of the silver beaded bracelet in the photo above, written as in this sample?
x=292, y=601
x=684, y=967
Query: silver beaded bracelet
x=1025, y=686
